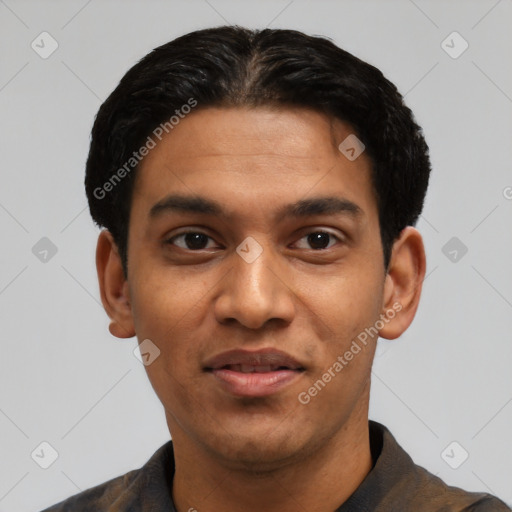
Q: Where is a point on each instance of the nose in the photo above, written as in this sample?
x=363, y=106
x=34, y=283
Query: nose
x=254, y=293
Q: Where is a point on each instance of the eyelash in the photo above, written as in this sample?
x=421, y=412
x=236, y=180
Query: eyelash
x=170, y=240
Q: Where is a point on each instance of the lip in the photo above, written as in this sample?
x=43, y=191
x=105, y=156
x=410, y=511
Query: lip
x=274, y=370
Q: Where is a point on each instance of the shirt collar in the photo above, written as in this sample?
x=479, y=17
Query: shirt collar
x=154, y=482
x=394, y=483
x=391, y=465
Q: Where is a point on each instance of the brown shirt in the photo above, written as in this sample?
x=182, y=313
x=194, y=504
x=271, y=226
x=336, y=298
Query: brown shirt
x=395, y=484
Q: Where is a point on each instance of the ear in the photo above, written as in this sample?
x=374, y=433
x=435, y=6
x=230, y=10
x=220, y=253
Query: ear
x=403, y=283
x=114, y=287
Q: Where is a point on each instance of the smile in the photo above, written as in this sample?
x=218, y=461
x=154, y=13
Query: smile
x=255, y=382
x=254, y=374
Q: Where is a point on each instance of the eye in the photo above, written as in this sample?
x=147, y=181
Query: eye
x=319, y=240
x=190, y=240
x=197, y=241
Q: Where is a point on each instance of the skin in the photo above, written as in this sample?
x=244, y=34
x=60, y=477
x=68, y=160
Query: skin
x=268, y=453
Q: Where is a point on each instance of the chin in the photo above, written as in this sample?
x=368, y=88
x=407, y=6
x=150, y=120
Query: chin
x=258, y=451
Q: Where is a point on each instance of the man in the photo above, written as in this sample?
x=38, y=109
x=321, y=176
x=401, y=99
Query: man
x=259, y=191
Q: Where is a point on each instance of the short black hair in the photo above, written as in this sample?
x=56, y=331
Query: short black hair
x=233, y=66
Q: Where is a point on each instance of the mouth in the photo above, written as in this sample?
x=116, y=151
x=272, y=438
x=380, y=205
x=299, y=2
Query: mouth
x=254, y=373
x=248, y=368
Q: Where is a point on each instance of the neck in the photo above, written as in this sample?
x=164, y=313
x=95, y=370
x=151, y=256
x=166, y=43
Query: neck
x=319, y=482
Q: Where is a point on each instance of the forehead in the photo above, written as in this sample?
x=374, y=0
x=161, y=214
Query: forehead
x=249, y=160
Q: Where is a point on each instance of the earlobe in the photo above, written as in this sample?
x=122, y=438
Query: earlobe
x=114, y=289
x=403, y=284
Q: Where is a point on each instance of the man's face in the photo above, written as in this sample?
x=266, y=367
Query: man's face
x=197, y=297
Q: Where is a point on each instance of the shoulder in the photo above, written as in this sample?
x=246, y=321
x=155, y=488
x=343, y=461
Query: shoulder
x=404, y=485
x=432, y=491
x=142, y=489
x=98, y=497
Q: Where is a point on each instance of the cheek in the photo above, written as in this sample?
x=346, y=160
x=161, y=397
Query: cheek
x=170, y=311
x=351, y=306
x=162, y=302
x=351, y=303
x=170, y=321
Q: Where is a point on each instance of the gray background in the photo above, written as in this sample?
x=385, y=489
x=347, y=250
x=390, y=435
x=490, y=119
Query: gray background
x=65, y=380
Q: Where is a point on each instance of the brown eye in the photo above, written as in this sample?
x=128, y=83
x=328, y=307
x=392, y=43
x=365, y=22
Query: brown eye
x=192, y=240
x=319, y=240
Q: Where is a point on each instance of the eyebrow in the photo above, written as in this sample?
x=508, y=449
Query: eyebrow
x=325, y=205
